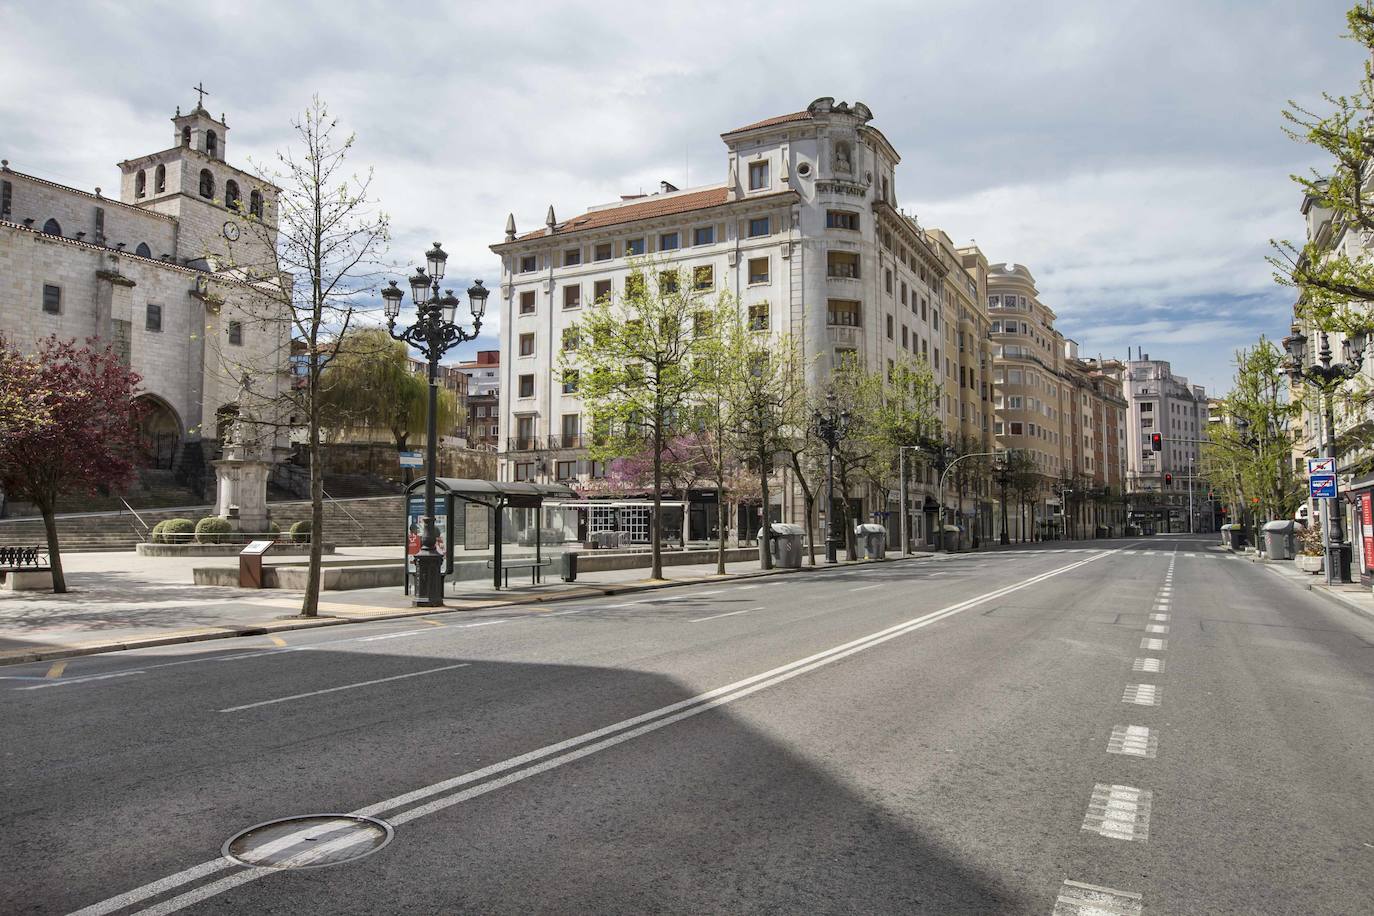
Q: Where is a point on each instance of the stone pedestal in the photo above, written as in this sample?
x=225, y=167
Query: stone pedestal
x=241, y=492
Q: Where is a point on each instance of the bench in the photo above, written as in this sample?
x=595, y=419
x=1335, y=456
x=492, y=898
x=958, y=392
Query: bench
x=535, y=567
x=25, y=568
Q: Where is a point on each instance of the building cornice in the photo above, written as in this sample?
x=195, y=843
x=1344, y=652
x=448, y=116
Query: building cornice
x=96, y=197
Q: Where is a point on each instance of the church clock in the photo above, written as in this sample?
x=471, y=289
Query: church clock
x=231, y=231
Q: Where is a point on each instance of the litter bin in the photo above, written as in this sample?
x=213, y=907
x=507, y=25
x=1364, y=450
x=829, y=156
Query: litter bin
x=951, y=538
x=1226, y=536
x=872, y=540
x=1103, y=531
x=1280, y=540
x=785, y=544
x=570, y=566
x=1235, y=536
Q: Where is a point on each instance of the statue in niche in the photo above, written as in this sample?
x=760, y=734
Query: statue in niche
x=842, y=160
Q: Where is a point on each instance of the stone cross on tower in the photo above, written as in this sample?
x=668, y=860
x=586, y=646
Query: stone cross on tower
x=203, y=93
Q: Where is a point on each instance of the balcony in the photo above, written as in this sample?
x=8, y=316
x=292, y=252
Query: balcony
x=524, y=444
x=567, y=440
x=844, y=336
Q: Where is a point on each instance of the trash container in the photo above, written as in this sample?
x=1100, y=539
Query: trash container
x=872, y=540
x=570, y=566
x=1226, y=536
x=951, y=538
x=1280, y=540
x=1103, y=531
x=784, y=545
x=1235, y=536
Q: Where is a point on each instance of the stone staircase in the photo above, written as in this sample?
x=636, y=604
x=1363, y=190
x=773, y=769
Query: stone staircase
x=347, y=523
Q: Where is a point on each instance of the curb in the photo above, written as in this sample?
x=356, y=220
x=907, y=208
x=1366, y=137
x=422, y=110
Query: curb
x=1319, y=588
x=24, y=656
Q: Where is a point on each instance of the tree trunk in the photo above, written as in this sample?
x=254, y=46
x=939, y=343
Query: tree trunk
x=655, y=523
x=59, y=581
x=720, y=526
x=310, y=604
x=809, y=507
x=766, y=525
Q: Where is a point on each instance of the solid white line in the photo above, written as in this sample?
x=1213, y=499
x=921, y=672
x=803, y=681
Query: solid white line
x=393, y=635
x=315, y=693
x=718, y=616
x=656, y=719
x=864, y=588
x=80, y=680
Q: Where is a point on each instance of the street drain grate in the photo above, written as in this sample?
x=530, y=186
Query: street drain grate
x=309, y=841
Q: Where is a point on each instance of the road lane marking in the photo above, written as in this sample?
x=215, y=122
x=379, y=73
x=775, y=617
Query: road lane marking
x=1157, y=645
x=315, y=693
x=1153, y=665
x=1142, y=694
x=56, y=669
x=1079, y=899
x=1134, y=741
x=433, y=623
x=1157, y=628
x=278, y=641
x=718, y=616
x=864, y=588
x=1119, y=812
x=1160, y=617
x=543, y=759
x=81, y=680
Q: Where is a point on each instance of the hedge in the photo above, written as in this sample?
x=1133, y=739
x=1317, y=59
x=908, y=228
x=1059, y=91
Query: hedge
x=213, y=530
x=177, y=530
x=156, y=536
x=300, y=532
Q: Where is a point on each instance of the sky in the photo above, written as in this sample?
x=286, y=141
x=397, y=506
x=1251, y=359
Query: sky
x=1131, y=154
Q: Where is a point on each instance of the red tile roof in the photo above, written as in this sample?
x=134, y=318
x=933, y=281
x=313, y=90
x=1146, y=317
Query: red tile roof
x=649, y=208
x=769, y=122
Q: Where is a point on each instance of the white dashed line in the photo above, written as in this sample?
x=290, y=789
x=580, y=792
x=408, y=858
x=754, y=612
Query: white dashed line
x=1079, y=899
x=1157, y=628
x=1160, y=617
x=315, y=693
x=1142, y=694
x=1133, y=741
x=1156, y=645
x=864, y=588
x=1152, y=665
x=1119, y=813
x=729, y=614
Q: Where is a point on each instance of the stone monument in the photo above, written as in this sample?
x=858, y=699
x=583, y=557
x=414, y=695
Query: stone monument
x=241, y=475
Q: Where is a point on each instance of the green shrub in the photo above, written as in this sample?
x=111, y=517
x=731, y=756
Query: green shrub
x=177, y=530
x=300, y=532
x=156, y=536
x=213, y=530
x=273, y=528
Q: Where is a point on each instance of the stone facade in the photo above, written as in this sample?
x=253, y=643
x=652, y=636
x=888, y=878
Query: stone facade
x=1165, y=403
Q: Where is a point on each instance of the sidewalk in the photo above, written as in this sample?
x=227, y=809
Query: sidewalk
x=1352, y=595
x=124, y=601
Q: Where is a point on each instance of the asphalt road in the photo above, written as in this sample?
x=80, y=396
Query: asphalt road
x=932, y=736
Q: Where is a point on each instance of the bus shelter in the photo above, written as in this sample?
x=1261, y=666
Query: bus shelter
x=489, y=526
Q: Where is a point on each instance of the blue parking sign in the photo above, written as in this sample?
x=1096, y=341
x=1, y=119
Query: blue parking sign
x=1322, y=486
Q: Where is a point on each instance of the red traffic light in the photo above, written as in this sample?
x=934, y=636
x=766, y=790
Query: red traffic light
x=1156, y=442
x=1168, y=480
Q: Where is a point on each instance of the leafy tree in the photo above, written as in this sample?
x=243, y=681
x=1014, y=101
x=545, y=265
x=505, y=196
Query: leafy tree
x=370, y=386
x=71, y=425
x=1025, y=483
x=322, y=245
x=636, y=358
x=1331, y=271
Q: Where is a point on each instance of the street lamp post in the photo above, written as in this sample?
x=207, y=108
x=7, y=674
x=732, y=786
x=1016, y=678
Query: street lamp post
x=433, y=333
x=1003, y=475
x=830, y=427
x=1327, y=376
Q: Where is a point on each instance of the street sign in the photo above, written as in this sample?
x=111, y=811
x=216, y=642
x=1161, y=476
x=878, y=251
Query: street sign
x=1322, y=486
x=1323, y=466
x=411, y=460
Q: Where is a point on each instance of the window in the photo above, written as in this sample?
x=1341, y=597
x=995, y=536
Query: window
x=887, y=281
x=569, y=381
x=889, y=327
x=634, y=247
x=1147, y=423
x=6, y=199
x=236, y=333
x=668, y=241
x=570, y=338
x=668, y=282
x=153, y=320
x=527, y=386
x=207, y=184
x=704, y=235
x=758, y=316
x=52, y=227
x=52, y=299
x=634, y=284
x=255, y=204
x=758, y=227
x=701, y=324
x=904, y=337
x=1017, y=429
x=572, y=296
x=842, y=313
x=231, y=194
x=528, y=263
x=602, y=252
x=601, y=291
x=841, y=219
x=566, y=470
x=526, y=344
x=481, y=411
x=186, y=135
x=160, y=179
x=527, y=302
x=141, y=184
x=703, y=277
x=758, y=175
x=844, y=264
x=524, y=471
x=572, y=257
x=903, y=292
x=758, y=270
x=1147, y=407
x=211, y=143
x=143, y=250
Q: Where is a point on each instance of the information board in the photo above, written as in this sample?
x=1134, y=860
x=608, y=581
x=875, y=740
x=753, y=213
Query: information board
x=256, y=548
x=476, y=528
x=1322, y=486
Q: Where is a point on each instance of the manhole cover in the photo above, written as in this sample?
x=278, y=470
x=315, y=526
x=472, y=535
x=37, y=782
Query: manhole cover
x=311, y=841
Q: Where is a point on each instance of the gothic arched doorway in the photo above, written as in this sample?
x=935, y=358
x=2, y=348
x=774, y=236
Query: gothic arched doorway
x=160, y=430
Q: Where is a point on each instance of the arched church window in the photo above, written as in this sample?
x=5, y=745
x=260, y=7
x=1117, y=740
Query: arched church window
x=160, y=179
x=207, y=184
x=141, y=183
x=211, y=143
x=231, y=193
x=143, y=250
x=52, y=227
x=186, y=135
x=255, y=204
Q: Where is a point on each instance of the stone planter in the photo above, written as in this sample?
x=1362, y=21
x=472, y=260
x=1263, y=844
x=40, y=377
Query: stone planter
x=1309, y=564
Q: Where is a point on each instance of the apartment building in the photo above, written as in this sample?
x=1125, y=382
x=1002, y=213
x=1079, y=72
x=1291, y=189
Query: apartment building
x=804, y=231
x=1165, y=485
x=483, y=399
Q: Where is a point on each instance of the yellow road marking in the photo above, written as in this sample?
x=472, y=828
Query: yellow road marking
x=56, y=669
x=433, y=623
x=277, y=640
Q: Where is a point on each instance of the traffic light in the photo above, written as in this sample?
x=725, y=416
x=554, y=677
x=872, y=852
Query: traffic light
x=1168, y=478
x=1156, y=442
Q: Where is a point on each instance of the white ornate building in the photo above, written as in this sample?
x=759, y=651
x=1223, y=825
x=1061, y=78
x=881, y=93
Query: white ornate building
x=804, y=231
x=143, y=273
